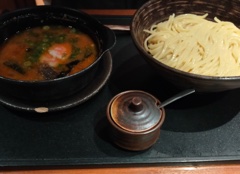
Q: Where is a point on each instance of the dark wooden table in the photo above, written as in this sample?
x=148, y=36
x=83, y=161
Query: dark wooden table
x=188, y=169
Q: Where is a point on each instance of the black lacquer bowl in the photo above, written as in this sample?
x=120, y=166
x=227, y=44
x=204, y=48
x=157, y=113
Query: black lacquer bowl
x=155, y=11
x=55, y=89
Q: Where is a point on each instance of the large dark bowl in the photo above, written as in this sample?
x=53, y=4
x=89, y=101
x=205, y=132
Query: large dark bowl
x=15, y=21
x=155, y=11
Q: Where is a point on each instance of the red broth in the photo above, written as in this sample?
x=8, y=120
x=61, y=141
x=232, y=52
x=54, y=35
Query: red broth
x=46, y=52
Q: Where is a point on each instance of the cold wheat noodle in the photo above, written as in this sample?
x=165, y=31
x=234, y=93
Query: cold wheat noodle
x=194, y=44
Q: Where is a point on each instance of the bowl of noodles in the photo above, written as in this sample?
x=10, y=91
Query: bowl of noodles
x=193, y=44
x=48, y=53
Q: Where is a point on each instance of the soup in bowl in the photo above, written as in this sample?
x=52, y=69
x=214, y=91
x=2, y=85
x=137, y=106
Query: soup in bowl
x=48, y=53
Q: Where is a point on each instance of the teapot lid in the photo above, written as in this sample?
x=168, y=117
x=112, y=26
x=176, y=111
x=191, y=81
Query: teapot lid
x=135, y=111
